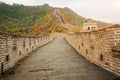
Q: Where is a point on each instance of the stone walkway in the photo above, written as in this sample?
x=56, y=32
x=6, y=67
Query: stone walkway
x=58, y=61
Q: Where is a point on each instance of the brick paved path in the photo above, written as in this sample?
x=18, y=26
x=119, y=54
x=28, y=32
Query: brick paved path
x=58, y=61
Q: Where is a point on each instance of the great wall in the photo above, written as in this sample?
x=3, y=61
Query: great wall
x=101, y=47
x=14, y=48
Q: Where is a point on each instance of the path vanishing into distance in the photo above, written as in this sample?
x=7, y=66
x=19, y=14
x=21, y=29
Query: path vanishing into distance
x=58, y=61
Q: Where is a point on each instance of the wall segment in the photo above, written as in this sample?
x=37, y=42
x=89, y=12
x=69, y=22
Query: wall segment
x=101, y=47
x=14, y=48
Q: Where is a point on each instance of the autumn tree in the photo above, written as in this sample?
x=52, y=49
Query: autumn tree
x=37, y=30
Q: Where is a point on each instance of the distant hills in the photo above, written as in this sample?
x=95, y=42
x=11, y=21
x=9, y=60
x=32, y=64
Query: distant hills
x=72, y=18
x=34, y=20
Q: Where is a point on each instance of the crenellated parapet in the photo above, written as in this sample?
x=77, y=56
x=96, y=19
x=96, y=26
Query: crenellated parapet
x=14, y=48
x=101, y=47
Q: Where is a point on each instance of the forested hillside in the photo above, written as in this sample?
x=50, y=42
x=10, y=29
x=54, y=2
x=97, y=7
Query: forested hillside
x=35, y=20
x=28, y=20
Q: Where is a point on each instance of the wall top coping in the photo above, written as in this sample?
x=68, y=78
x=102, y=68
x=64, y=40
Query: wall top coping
x=103, y=29
x=16, y=36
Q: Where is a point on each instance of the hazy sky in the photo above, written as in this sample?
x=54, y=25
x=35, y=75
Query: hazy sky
x=104, y=10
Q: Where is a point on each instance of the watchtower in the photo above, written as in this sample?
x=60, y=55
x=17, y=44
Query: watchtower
x=89, y=25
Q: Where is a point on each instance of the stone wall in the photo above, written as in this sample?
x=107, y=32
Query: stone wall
x=14, y=48
x=101, y=47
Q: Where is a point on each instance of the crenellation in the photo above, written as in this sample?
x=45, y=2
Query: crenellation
x=100, y=47
x=14, y=48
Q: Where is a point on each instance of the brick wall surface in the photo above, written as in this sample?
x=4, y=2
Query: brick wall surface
x=101, y=47
x=14, y=48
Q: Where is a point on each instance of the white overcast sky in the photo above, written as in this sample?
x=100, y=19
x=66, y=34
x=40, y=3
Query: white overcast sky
x=104, y=10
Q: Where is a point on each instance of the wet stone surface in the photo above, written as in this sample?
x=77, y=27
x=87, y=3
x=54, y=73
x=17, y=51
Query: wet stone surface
x=58, y=61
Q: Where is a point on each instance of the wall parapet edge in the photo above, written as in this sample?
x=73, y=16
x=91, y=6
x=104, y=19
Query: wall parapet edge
x=14, y=48
x=100, y=47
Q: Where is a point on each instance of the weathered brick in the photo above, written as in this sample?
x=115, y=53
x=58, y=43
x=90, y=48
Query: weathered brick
x=97, y=46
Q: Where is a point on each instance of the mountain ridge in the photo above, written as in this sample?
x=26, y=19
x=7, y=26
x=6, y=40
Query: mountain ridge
x=34, y=20
x=73, y=16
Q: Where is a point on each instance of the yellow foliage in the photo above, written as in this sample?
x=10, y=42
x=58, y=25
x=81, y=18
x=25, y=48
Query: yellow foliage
x=77, y=30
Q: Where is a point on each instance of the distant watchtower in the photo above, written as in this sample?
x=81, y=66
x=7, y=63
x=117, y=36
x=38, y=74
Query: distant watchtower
x=89, y=25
